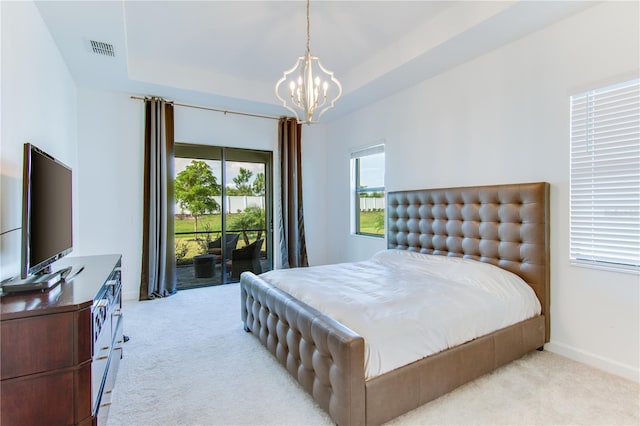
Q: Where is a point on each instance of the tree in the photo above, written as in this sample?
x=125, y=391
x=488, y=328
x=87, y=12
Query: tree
x=258, y=185
x=195, y=187
x=251, y=218
x=242, y=183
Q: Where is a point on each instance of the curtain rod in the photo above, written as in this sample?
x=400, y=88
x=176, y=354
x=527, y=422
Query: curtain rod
x=270, y=117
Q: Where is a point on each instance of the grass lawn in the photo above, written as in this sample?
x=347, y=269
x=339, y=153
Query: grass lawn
x=212, y=223
x=370, y=222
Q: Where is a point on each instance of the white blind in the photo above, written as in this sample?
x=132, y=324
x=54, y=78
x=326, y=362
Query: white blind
x=370, y=150
x=605, y=176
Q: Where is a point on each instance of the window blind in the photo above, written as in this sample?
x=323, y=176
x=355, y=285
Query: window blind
x=605, y=176
x=371, y=150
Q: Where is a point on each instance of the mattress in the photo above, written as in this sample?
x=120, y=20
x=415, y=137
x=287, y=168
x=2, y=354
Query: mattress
x=408, y=305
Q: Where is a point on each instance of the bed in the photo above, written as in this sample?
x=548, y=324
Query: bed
x=502, y=225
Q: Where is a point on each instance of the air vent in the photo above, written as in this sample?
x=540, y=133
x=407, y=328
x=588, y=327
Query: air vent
x=101, y=48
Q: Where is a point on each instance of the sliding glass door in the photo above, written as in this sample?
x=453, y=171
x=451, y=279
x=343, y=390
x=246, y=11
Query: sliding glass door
x=223, y=220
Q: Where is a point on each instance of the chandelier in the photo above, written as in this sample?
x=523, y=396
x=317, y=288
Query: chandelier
x=308, y=89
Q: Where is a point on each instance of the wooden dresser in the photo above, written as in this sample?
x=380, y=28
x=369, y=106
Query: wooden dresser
x=60, y=349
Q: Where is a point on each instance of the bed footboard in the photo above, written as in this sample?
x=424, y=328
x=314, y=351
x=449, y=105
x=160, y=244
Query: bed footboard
x=325, y=357
x=399, y=391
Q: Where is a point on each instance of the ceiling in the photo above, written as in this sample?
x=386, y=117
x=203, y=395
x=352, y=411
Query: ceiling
x=229, y=54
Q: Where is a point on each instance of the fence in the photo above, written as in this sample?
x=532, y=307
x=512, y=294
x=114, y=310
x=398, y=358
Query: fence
x=371, y=204
x=238, y=203
x=233, y=203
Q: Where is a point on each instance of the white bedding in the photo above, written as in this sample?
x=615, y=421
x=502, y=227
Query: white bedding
x=409, y=305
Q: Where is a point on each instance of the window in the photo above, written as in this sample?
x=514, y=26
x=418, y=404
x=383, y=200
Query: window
x=605, y=177
x=224, y=200
x=367, y=171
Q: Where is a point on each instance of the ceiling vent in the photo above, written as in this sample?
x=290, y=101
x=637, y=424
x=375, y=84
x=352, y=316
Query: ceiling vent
x=101, y=48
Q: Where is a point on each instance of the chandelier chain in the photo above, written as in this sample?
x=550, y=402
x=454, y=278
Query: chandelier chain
x=308, y=32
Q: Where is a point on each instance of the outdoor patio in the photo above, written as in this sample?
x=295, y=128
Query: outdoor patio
x=187, y=278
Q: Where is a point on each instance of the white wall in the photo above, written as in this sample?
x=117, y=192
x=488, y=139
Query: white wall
x=314, y=193
x=110, y=163
x=38, y=106
x=501, y=118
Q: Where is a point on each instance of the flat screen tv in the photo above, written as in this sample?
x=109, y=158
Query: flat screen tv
x=46, y=212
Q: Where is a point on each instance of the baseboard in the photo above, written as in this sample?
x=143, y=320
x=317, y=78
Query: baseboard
x=593, y=360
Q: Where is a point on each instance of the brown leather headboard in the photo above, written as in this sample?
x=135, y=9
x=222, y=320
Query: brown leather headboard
x=505, y=225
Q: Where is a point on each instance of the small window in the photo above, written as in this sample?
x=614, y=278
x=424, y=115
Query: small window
x=605, y=177
x=368, y=201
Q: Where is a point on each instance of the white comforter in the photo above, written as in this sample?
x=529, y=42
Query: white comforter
x=409, y=305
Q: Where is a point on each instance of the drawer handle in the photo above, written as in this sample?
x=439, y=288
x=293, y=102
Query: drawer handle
x=102, y=358
x=106, y=404
x=111, y=283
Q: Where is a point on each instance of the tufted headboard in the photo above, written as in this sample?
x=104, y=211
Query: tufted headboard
x=505, y=225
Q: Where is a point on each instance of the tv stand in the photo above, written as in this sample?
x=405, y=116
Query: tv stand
x=40, y=282
x=61, y=348
x=68, y=277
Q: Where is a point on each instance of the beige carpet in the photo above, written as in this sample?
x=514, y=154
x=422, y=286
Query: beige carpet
x=189, y=362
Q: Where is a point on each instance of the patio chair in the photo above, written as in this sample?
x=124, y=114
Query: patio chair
x=246, y=258
x=216, y=248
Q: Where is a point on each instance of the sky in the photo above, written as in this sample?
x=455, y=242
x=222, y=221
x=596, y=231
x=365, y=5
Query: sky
x=372, y=171
x=233, y=168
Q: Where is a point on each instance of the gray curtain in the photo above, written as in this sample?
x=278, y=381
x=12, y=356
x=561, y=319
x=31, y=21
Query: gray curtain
x=158, y=278
x=293, y=248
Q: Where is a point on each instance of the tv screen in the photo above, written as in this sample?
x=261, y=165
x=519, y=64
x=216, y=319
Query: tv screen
x=46, y=211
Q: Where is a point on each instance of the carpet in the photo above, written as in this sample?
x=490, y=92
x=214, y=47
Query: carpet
x=189, y=362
